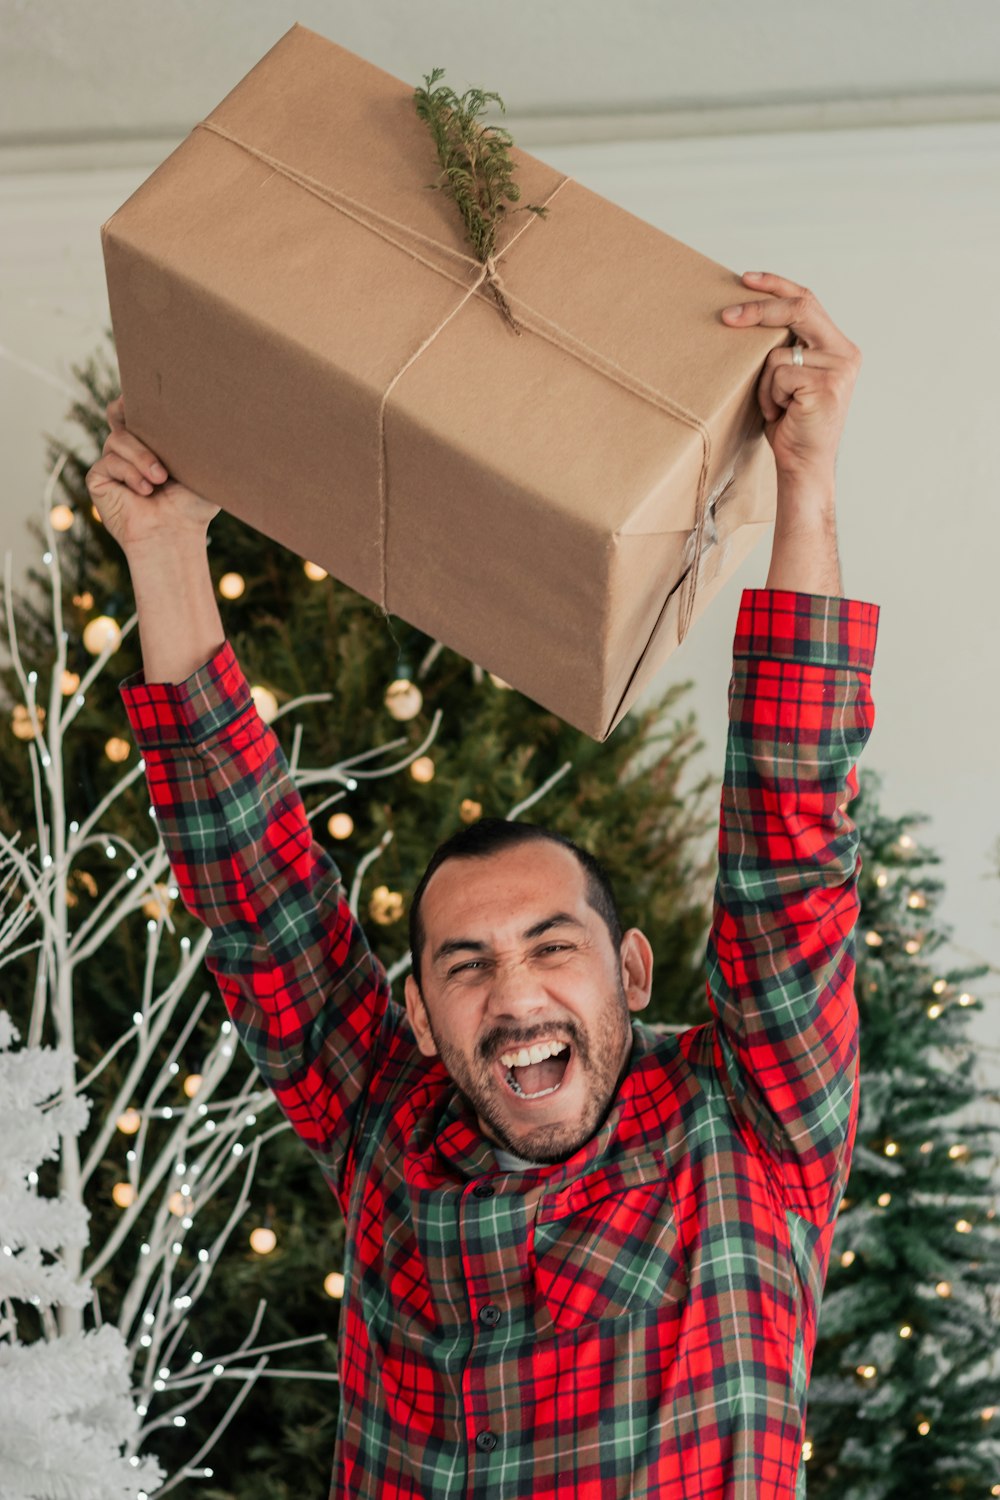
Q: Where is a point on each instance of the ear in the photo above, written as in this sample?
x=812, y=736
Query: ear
x=417, y=1012
x=637, y=968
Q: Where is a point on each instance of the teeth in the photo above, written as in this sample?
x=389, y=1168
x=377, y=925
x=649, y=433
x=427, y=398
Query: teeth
x=536, y=1054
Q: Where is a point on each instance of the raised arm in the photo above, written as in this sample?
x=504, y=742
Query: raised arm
x=308, y=999
x=781, y=952
x=781, y=958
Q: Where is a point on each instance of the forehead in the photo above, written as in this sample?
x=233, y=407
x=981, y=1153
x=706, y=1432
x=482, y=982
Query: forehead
x=500, y=893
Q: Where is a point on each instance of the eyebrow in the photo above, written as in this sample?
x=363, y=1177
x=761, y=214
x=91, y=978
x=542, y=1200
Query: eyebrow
x=470, y=945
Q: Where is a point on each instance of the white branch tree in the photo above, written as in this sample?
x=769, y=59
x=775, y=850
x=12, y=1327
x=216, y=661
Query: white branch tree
x=179, y=1159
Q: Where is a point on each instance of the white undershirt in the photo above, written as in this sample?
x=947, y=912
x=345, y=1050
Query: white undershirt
x=511, y=1163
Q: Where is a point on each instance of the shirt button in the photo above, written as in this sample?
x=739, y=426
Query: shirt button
x=486, y=1442
x=483, y=1190
x=489, y=1315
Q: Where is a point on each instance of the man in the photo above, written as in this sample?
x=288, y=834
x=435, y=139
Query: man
x=582, y=1258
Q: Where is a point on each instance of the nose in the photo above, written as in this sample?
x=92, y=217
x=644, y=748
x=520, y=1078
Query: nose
x=516, y=993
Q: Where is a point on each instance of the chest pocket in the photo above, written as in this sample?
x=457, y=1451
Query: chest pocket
x=608, y=1246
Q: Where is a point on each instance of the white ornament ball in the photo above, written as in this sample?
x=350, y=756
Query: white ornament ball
x=100, y=633
x=403, y=699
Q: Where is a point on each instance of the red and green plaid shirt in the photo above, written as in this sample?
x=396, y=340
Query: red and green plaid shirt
x=640, y=1319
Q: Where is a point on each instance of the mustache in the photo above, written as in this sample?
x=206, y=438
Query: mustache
x=497, y=1042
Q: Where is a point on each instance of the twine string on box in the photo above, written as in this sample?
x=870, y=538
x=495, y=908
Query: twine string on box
x=543, y=327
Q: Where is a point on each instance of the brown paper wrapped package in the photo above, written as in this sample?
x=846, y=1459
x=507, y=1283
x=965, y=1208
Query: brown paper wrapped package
x=305, y=337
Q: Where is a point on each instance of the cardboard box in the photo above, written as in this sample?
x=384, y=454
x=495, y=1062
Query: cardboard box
x=305, y=336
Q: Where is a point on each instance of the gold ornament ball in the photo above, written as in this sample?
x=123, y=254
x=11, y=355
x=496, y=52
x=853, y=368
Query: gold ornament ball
x=69, y=683
x=265, y=701
x=469, y=810
x=129, y=1122
x=61, y=517
x=117, y=749
x=101, y=634
x=314, y=571
x=21, y=722
x=123, y=1194
x=263, y=1240
x=403, y=699
x=158, y=904
x=422, y=769
x=232, y=585
x=341, y=825
x=192, y=1084
x=385, y=906
x=84, y=600
x=333, y=1285
x=178, y=1204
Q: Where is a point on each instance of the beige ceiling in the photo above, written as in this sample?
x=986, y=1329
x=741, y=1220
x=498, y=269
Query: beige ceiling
x=77, y=71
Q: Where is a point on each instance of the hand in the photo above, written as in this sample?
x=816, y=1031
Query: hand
x=804, y=405
x=135, y=497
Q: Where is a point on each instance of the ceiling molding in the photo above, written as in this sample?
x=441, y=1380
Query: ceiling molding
x=531, y=131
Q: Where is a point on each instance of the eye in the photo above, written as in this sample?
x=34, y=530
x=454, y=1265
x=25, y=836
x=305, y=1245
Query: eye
x=472, y=963
x=555, y=948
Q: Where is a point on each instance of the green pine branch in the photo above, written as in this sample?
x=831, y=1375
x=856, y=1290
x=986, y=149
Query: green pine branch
x=475, y=163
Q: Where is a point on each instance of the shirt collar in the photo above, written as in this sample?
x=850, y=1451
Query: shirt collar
x=451, y=1143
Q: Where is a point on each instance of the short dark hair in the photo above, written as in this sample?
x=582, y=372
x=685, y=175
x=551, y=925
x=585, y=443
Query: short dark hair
x=489, y=836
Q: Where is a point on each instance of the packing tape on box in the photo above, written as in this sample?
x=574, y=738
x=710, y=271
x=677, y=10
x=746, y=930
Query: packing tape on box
x=487, y=274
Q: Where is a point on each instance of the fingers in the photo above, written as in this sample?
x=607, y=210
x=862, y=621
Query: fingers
x=115, y=466
x=780, y=377
x=143, y=461
x=792, y=306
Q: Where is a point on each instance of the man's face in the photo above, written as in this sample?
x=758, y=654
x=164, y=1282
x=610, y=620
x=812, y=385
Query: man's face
x=515, y=957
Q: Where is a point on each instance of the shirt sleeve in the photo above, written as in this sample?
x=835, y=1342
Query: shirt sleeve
x=307, y=997
x=781, y=952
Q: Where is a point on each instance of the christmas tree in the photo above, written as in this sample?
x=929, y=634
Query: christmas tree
x=393, y=741
x=905, y=1393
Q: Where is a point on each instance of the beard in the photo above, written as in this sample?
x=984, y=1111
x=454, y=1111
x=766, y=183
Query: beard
x=601, y=1057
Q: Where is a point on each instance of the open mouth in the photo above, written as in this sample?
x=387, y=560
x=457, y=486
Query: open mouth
x=532, y=1081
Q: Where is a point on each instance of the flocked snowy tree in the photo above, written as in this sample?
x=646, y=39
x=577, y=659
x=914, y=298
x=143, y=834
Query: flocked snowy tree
x=68, y=1422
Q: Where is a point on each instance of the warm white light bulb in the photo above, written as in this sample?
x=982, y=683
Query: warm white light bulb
x=232, y=585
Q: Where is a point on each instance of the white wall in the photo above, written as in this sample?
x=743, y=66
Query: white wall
x=898, y=233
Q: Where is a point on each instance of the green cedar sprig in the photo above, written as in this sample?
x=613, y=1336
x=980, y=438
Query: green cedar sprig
x=477, y=169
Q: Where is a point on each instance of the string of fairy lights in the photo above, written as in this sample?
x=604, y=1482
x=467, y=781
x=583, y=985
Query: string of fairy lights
x=403, y=701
